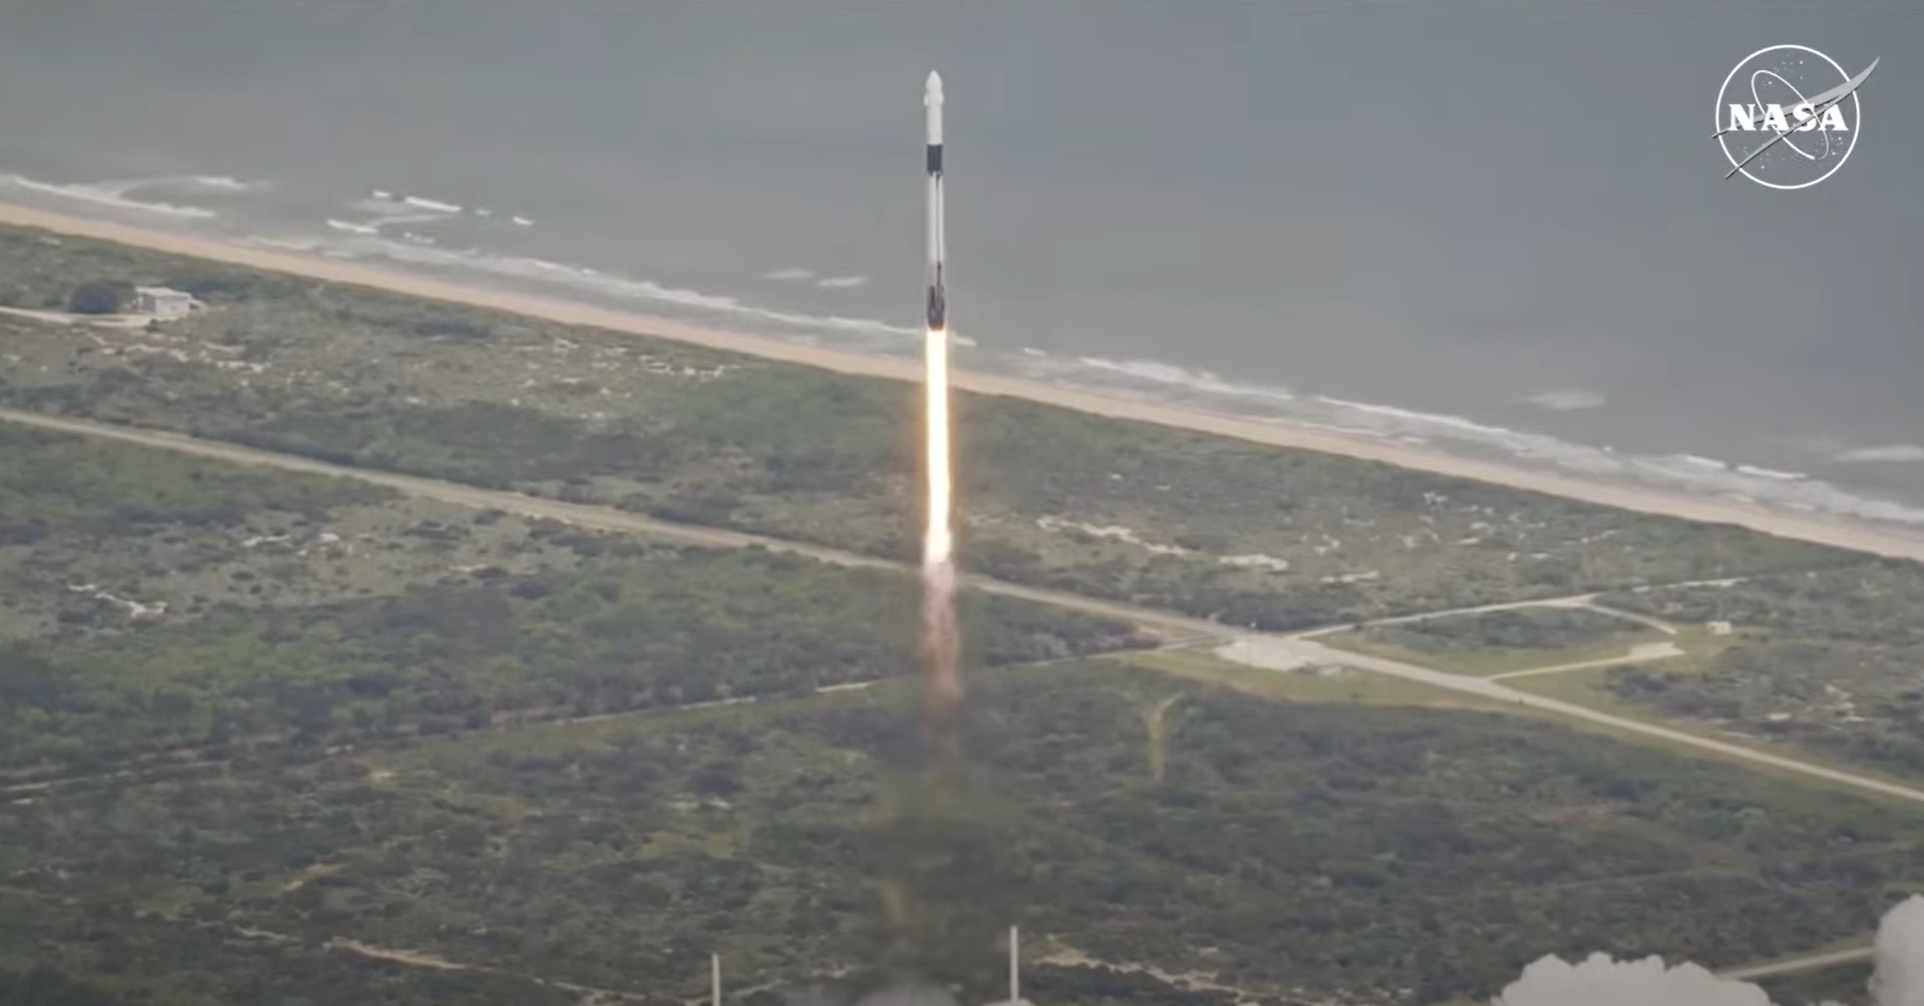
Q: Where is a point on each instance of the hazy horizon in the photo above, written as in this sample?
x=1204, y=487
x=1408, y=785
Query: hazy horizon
x=1504, y=212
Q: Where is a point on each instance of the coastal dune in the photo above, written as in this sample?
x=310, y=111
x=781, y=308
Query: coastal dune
x=1629, y=497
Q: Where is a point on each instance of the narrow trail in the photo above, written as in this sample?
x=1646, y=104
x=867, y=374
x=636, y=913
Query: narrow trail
x=1639, y=652
x=1808, y=962
x=1275, y=651
x=1294, y=649
x=1286, y=654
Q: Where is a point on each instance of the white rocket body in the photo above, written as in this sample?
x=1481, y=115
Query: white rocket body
x=938, y=249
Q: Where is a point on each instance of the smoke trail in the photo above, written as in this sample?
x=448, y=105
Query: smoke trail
x=941, y=649
x=1602, y=981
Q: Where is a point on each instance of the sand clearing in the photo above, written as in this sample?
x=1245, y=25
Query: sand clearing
x=1629, y=497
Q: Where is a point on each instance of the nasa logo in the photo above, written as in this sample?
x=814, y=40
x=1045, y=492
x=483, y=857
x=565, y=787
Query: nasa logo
x=1788, y=116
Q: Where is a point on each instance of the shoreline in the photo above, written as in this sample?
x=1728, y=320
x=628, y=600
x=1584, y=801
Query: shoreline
x=1758, y=518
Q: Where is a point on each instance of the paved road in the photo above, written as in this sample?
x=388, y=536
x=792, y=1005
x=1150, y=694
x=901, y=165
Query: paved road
x=1588, y=601
x=1287, y=653
x=1641, y=651
x=598, y=517
x=1810, y=962
x=1260, y=649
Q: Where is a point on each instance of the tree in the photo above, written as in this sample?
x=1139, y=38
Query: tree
x=100, y=296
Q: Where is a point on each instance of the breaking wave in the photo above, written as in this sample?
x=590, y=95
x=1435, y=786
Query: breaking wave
x=633, y=291
x=1890, y=454
x=436, y=205
x=402, y=229
x=1201, y=389
x=197, y=183
x=1565, y=400
x=112, y=195
x=1689, y=473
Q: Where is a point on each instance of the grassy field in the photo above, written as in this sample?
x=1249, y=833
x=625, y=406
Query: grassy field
x=1845, y=985
x=1330, y=849
x=1205, y=525
x=1825, y=659
x=476, y=738
x=1499, y=642
x=1343, y=685
x=161, y=604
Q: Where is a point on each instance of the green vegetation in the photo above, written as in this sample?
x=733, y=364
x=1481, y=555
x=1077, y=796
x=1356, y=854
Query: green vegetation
x=651, y=629
x=1249, y=534
x=60, y=954
x=1845, y=984
x=98, y=535
x=274, y=738
x=1331, y=849
x=1494, y=642
x=101, y=297
x=1825, y=659
x=53, y=484
x=617, y=627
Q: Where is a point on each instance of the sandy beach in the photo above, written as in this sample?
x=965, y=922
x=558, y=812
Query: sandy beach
x=1647, y=500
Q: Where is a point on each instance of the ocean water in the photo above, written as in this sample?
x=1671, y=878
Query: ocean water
x=1498, y=229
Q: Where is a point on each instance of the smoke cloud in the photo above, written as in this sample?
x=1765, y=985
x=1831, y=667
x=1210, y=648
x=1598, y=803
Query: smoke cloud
x=1899, y=980
x=1602, y=981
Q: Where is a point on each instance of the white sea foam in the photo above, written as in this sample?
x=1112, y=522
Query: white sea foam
x=840, y=282
x=283, y=244
x=1152, y=380
x=111, y=194
x=187, y=183
x=227, y=183
x=1565, y=400
x=1170, y=375
x=1432, y=419
x=1771, y=473
x=1889, y=453
x=644, y=291
x=1689, y=473
x=420, y=202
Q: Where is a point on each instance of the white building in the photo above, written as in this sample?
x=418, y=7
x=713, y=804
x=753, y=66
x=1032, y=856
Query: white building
x=162, y=302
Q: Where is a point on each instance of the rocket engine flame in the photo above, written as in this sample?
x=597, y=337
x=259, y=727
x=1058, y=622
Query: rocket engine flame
x=941, y=649
x=940, y=646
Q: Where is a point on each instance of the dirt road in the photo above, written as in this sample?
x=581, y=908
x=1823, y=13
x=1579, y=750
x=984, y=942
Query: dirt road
x=1258, y=649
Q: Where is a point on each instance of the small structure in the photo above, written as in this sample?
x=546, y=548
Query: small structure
x=1719, y=628
x=1015, y=971
x=163, y=302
